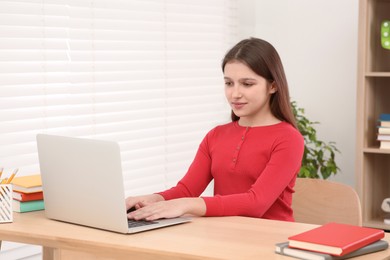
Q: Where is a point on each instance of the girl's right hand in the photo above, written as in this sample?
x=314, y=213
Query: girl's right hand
x=141, y=201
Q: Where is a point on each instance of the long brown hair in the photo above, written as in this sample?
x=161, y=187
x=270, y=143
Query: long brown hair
x=264, y=60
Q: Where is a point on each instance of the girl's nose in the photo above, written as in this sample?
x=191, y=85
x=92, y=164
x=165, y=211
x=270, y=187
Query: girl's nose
x=236, y=92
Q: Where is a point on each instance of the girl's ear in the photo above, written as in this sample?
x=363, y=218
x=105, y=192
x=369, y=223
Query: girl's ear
x=273, y=88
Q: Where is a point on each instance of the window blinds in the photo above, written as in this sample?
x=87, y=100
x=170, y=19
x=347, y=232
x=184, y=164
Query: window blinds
x=143, y=73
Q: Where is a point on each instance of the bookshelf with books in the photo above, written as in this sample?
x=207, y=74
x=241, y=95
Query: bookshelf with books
x=373, y=99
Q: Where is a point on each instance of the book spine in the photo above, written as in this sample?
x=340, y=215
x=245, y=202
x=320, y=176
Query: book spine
x=29, y=206
x=384, y=130
x=383, y=137
x=20, y=196
x=384, y=117
x=384, y=123
x=384, y=145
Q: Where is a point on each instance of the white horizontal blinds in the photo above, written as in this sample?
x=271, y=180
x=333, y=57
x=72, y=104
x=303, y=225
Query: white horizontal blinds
x=33, y=78
x=144, y=73
x=118, y=78
x=150, y=75
x=196, y=40
x=33, y=73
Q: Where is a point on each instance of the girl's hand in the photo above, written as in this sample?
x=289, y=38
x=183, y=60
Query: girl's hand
x=169, y=209
x=140, y=201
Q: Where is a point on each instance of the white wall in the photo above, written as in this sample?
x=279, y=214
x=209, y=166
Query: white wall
x=317, y=41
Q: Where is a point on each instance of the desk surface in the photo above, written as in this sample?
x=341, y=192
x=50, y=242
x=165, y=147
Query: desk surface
x=203, y=238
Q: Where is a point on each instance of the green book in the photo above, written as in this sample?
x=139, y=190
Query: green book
x=27, y=206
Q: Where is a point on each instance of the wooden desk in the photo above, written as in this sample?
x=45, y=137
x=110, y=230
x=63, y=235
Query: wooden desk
x=203, y=238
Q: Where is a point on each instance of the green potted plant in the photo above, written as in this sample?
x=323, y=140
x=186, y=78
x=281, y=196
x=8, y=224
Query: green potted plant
x=319, y=157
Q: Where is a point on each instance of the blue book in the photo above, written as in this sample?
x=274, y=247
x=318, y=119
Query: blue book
x=283, y=249
x=384, y=117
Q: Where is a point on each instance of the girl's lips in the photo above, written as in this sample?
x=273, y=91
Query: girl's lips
x=237, y=105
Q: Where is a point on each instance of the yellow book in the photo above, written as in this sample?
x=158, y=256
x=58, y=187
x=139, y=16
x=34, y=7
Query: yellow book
x=27, y=184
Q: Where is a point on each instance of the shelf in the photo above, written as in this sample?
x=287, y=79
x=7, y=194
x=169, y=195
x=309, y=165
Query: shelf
x=373, y=98
x=376, y=150
x=378, y=74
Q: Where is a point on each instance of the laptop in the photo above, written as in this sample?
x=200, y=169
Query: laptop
x=83, y=184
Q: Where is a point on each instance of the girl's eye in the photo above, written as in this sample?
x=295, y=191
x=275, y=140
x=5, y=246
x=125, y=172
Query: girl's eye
x=246, y=84
x=228, y=84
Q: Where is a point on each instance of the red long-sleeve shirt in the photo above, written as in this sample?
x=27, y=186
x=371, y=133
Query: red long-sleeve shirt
x=254, y=171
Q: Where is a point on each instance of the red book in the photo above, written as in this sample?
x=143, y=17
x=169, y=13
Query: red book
x=21, y=196
x=336, y=238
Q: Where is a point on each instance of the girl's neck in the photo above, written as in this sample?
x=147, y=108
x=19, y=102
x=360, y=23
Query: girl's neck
x=259, y=122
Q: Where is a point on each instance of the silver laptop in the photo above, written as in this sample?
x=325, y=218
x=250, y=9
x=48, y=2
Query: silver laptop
x=83, y=184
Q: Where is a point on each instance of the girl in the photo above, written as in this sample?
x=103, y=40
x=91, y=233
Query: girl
x=254, y=160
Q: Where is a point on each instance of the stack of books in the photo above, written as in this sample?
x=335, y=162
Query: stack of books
x=333, y=241
x=384, y=131
x=27, y=193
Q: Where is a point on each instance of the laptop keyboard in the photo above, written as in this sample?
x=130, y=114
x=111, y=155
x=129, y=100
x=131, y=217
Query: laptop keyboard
x=138, y=223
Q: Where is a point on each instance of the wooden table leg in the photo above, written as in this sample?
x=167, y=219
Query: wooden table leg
x=47, y=253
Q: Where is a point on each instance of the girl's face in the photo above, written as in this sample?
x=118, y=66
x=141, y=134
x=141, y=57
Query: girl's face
x=248, y=95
